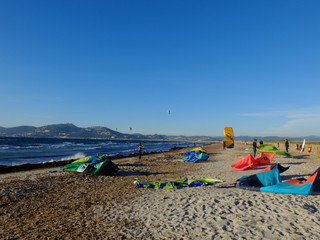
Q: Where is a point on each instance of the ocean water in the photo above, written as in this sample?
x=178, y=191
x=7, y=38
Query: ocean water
x=17, y=151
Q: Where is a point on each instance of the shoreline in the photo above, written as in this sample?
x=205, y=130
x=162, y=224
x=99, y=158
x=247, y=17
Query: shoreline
x=110, y=207
x=114, y=154
x=33, y=166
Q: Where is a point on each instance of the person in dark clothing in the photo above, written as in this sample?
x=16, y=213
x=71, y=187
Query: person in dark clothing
x=286, y=143
x=140, y=148
x=254, y=145
x=261, y=142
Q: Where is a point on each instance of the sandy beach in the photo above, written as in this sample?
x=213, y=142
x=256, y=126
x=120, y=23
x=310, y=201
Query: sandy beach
x=60, y=205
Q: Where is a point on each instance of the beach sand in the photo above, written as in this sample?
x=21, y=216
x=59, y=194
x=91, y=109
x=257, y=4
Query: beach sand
x=62, y=205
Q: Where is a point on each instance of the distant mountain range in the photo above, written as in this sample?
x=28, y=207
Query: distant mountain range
x=69, y=130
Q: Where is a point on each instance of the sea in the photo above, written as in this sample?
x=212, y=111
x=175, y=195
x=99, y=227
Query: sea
x=18, y=151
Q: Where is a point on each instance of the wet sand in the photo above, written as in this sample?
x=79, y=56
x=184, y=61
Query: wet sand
x=62, y=205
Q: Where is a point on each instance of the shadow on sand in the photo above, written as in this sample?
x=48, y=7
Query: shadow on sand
x=294, y=163
x=132, y=165
x=133, y=173
x=301, y=157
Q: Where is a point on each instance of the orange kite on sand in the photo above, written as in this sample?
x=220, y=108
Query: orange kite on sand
x=249, y=162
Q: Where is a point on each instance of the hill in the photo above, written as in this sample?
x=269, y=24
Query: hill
x=69, y=130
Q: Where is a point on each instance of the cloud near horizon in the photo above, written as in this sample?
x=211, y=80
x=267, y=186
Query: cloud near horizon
x=299, y=122
x=312, y=112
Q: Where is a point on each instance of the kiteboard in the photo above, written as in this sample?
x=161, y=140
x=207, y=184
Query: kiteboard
x=228, y=137
x=303, y=145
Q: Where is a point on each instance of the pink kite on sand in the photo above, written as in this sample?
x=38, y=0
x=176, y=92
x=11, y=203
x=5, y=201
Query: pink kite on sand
x=249, y=162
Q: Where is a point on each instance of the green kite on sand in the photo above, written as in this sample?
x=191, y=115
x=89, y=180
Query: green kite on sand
x=96, y=165
x=268, y=148
x=178, y=183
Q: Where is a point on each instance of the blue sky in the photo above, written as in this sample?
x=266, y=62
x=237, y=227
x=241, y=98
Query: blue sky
x=252, y=65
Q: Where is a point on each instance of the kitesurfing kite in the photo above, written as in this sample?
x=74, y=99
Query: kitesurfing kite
x=195, y=155
x=178, y=183
x=249, y=162
x=228, y=137
x=95, y=165
x=270, y=181
x=268, y=148
x=303, y=145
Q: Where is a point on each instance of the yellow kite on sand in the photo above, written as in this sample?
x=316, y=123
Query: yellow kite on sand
x=228, y=137
x=197, y=149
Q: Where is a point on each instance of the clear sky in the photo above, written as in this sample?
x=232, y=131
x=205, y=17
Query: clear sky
x=251, y=65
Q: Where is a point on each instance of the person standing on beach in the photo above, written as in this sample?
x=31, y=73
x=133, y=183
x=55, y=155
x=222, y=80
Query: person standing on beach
x=286, y=143
x=140, y=148
x=254, y=145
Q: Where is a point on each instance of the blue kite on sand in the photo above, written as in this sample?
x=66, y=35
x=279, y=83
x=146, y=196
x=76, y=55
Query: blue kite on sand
x=270, y=181
x=194, y=156
x=178, y=183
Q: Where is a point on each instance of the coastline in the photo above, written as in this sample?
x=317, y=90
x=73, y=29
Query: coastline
x=33, y=166
x=110, y=207
x=19, y=154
